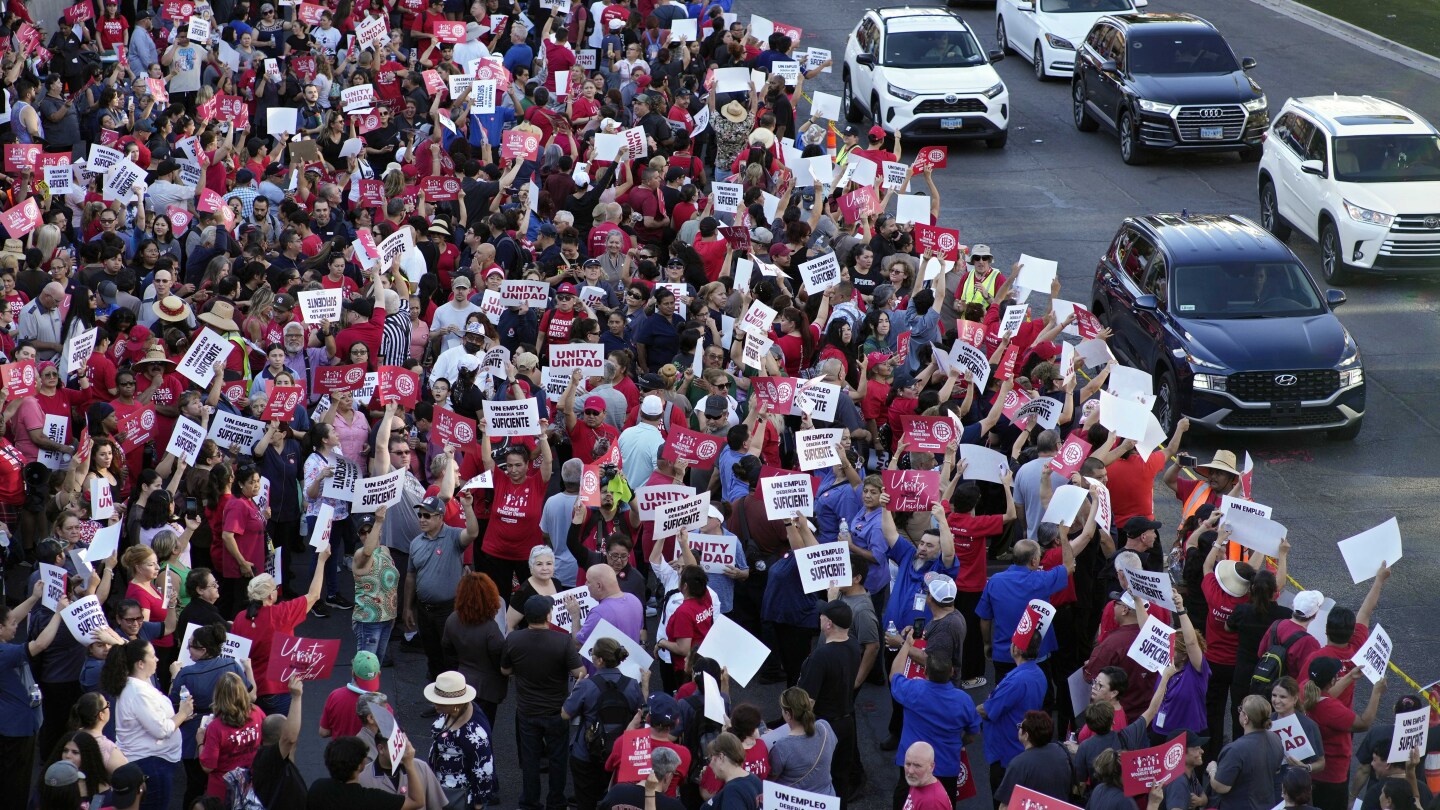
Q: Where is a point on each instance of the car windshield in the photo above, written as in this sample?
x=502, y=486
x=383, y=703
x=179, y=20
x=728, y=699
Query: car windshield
x=930, y=49
x=1084, y=6
x=1387, y=158
x=1245, y=290
x=1200, y=52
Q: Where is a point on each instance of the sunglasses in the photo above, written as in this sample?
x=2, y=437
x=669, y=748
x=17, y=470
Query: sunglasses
x=591, y=413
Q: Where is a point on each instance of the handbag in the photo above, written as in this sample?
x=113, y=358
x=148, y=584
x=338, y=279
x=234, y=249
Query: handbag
x=32, y=689
x=456, y=798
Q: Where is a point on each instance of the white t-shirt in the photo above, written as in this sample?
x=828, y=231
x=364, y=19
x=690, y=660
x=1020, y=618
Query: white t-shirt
x=450, y=315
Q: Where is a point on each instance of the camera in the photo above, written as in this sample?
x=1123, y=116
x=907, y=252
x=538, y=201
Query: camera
x=608, y=473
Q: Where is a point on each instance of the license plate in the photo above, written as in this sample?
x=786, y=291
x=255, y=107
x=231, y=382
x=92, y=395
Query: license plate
x=952, y=123
x=1212, y=133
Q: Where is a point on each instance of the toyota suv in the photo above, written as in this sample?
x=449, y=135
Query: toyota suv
x=1361, y=176
x=922, y=71
x=1167, y=82
x=1231, y=327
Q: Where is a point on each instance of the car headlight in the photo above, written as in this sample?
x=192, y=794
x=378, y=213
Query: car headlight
x=996, y=90
x=1059, y=42
x=1350, y=377
x=1200, y=362
x=1156, y=107
x=1257, y=104
x=1368, y=216
x=902, y=94
x=1210, y=382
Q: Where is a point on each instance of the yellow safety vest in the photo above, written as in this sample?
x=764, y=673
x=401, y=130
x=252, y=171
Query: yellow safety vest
x=970, y=295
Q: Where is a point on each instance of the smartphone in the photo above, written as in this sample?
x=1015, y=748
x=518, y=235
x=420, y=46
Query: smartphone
x=192, y=506
x=919, y=629
x=1186, y=460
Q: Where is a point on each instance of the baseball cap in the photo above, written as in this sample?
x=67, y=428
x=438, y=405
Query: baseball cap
x=652, y=406
x=565, y=289
x=850, y=131
x=525, y=361
x=1307, y=604
x=1123, y=597
x=651, y=382
x=877, y=132
x=244, y=176
x=549, y=230
x=595, y=403
x=1192, y=740
x=433, y=505
x=538, y=607
x=762, y=235
x=284, y=301
x=1323, y=669
x=664, y=709
x=473, y=328
x=125, y=784
x=365, y=671
x=874, y=359
x=107, y=291
x=62, y=773
x=1138, y=525
x=716, y=513
x=941, y=587
x=716, y=405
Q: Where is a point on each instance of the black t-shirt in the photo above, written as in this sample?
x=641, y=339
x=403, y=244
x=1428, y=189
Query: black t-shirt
x=540, y=662
x=328, y=794
x=1249, y=626
x=742, y=793
x=626, y=797
x=277, y=782
x=828, y=676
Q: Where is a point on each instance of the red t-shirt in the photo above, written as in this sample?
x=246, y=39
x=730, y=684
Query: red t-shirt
x=601, y=232
x=692, y=620
x=558, y=59
x=1300, y=651
x=583, y=438
x=757, y=763
x=227, y=748
x=153, y=603
x=1220, y=644
x=345, y=285
x=873, y=405
x=1344, y=654
x=339, y=715
x=1053, y=558
x=972, y=534
x=281, y=618
x=366, y=332
x=1132, y=486
x=100, y=371
x=1335, y=720
x=612, y=762
x=112, y=31
x=555, y=326
x=243, y=519
x=514, y=516
x=712, y=254
x=12, y=477
x=930, y=797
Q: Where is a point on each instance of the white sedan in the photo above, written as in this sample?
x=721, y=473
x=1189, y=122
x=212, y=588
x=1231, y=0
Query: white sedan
x=1047, y=32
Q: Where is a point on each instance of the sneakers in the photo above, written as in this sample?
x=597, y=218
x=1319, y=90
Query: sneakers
x=973, y=683
x=339, y=602
x=319, y=611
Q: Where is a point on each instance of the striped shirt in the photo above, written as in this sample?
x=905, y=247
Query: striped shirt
x=395, y=336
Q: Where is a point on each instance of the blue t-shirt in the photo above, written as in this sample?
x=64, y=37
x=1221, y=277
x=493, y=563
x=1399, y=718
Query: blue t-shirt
x=731, y=488
x=17, y=718
x=493, y=124
x=785, y=600
x=1018, y=692
x=519, y=56
x=866, y=533
x=939, y=714
x=901, y=608
x=834, y=500
x=1004, y=600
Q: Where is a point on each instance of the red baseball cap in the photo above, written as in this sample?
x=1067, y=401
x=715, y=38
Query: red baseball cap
x=595, y=403
x=877, y=133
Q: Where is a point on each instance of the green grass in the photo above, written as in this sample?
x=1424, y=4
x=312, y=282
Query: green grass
x=1410, y=22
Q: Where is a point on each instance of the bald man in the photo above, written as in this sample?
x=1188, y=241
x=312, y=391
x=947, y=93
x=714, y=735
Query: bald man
x=40, y=322
x=926, y=792
x=613, y=605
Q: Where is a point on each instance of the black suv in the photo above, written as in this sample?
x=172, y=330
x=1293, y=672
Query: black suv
x=1228, y=322
x=1167, y=82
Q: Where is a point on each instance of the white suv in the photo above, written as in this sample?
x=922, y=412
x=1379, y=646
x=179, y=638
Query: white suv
x=922, y=71
x=1048, y=32
x=1361, y=176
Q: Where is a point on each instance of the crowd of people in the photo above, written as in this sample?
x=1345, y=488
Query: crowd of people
x=270, y=274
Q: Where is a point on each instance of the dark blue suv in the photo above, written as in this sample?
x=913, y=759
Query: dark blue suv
x=1230, y=325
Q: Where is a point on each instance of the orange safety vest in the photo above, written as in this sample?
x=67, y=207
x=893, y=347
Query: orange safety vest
x=1198, y=496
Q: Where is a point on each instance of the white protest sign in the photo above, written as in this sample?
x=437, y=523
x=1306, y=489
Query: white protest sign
x=60, y=179
x=105, y=542
x=235, y=647
x=983, y=464
x=683, y=30
x=519, y=293
x=714, y=699
x=1252, y=531
x=1126, y=418
x=121, y=179
x=911, y=208
x=1229, y=504
x=1079, y=691
x=651, y=498
x=826, y=106
x=555, y=381
x=341, y=485
x=761, y=28
x=199, y=30
x=1151, y=649
x=816, y=57
x=686, y=513
x=1129, y=383
x=817, y=448
x=185, y=441
x=1412, y=733
x=715, y=552
x=636, y=662
x=781, y=797
x=324, y=521
x=282, y=121
x=1035, y=274
x=320, y=306
x=787, y=70
x=1064, y=505
x=1365, y=552
x=588, y=358
x=102, y=502
x=824, y=566
x=894, y=175
x=57, y=429
x=381, y=490
x=1045, y=410
x=1374, y=656
x=757, y=320
x=786, y=495
x=1095, y=353
x=198, y=364
x=972, y=360
x=512, y=418
x=755, y=350
x=1292, y=735
x=1012, y=319
x=727, y=197
x=1152, y=586
x=1103, y=514
x=584, y=603
x=819, y=399
x=85, y=618
x=229, y=430
x=820, y=273
x=54, y=578
x=734, y=648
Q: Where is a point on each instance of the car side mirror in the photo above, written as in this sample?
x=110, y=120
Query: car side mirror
x=1248, y=62
x=1314, y=167
x=1335, y=298
x=1141, y=3
x=865, y=59
x=1147, y=302
x=995, y=56
x=1109, y=66
x=1026, y=5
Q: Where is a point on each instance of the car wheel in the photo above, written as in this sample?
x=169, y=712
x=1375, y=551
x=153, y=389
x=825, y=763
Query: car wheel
x=1083, y=121
x=1270, y=217
x=1001, y=40
x=877, y=113
x=1165, y=405
x=998, y=141
x=1332, y=255
x=851, y=113
x=1252, y=154
x=1130, y=149
x=1040, y=63
x=1346, y=434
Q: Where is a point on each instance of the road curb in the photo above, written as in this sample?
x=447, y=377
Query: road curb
x=1354, y=34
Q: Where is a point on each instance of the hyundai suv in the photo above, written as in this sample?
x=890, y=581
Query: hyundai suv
x=1231, y=327
x=1361, y=176
x=1167, y=82
x=922, y=71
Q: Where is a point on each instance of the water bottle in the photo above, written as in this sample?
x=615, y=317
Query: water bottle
x=844, y=530
x=184, y=693
x=4, y=537
x=34, y=695
x=891, y=631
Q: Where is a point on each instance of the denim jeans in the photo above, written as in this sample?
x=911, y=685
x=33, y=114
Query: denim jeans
x=159, y=779
x=342, y=533
x=373, y=637
x=547, y=738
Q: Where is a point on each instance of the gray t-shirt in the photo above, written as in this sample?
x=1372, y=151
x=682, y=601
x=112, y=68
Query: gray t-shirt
x=400, y=522
x=804, y=762
x=1027, y=492
x=438, y=563
x=1248, y=765
x=945, y=640
x=865, y=625
x=555, y=522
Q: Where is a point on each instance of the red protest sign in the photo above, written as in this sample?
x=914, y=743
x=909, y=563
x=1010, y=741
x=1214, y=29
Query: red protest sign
x=309, y=13
x=1024, y=798
x=493, y=71
x=790, y=31
x=452, y=428
x=372, y=193
x=367, y=123
x=699, y=450
x=136, y=422
x=1015, y=399
x=209, y=201
x=433, y=83
x=227, y=217
x=1149, y=766
x=109, y=137
x=29, y=37
x=19, y=379
x=21, y=157
x=1006, y=369
x=177, y=10
x=445, y=31
x=590, y=485
x=1071, y=455
x=335, y=379
x=232, y=109
x=179, y=218
x=859, y=204
x=773, y=394
x=282, y=402
x=78, y=13
x=440, y=189
x=1086, y=323
x=738, y=238
x=304, y=66
x=902, y=348
x=972, y=332
x=399, y=384
x=518, y=143
x=914, y=671
x=965, y=779
x=44, y=161
x=943, y=242
x=22, y=219
x=930, y=157
x=929, y=434
x=634, y=748
x=910, y=490
x=309, y=659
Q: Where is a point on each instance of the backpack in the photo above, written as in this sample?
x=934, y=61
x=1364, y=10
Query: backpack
x=697, y=735
x=611, y=715
x=1271, y=666
x=240, y=791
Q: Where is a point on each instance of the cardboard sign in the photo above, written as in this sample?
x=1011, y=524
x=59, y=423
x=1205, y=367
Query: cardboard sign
x=1228, y=504
x=338, y=379
x=859, y=203
x=309, y=659
x=1366, y=551
x=1071, y=455
x=1151, y=766
x=773, y=394
x=397, y=384
x=381, y=490
x=186, y=439
x=199, y=30
x=727, y=197
x=54, y=578
x=283, y=401
x=453, y=429
x=1412, y=733
x=757, y=321
x=787, y=495
x=781, y=797
x=1292, y=735
x=324, y=526
x=649, y=499
x=584, y=603
x=512, y=418
x=1374, y=656
x=689, y=512
x=85, y=618
x=734, y=648
x=341, y=485
x=911, y=490
x=1151, y=649
x=198, y=364
x=370, y=30
x=698, y=450
x=715, y=552
x=818, y=448
x=320, y=306
x=229, y=430
x=824, y=566
x=737, y=237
